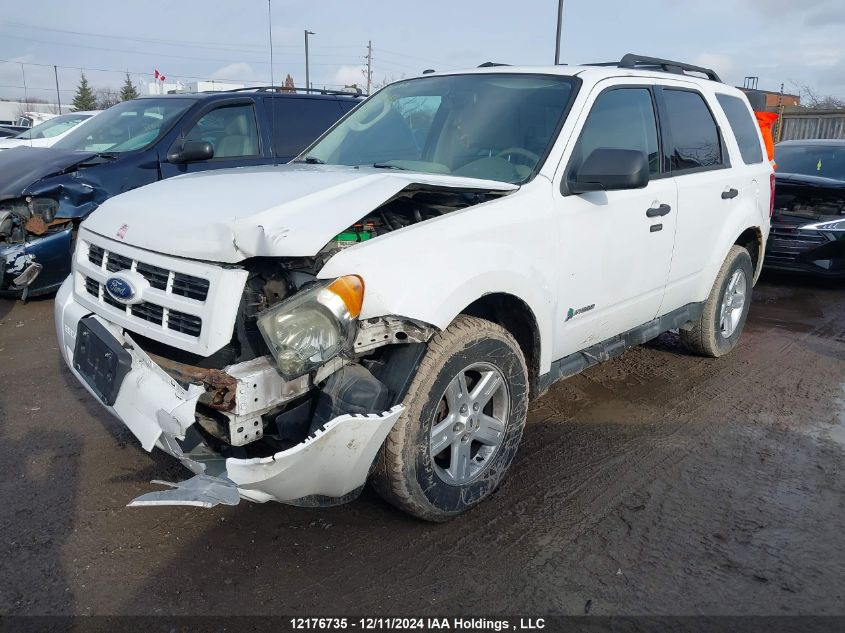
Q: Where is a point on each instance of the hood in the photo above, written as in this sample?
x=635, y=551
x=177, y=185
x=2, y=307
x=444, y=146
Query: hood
x=801, y=197
x=9, y=143
x=230, y=215
x=22, y=166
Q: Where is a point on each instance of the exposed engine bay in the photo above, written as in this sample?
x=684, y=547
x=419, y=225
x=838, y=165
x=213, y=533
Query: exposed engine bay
x=809, y=200
x=248, y=409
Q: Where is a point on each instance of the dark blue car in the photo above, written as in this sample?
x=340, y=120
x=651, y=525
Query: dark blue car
x=46, y=192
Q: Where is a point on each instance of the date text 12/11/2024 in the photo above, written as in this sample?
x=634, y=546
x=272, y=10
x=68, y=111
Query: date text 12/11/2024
x=423, y=624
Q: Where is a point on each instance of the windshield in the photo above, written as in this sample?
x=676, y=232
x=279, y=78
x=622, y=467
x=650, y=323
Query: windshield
x=827, y=161
x=127, y=126
x=492, y=126
x=53, y=127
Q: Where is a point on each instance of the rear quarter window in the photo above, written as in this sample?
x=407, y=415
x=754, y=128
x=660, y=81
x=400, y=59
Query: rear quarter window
x=744, y=128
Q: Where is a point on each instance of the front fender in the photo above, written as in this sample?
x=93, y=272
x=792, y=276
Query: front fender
x=433, y=270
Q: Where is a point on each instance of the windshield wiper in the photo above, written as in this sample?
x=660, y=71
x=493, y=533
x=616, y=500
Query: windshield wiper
x=311, y=160
x=386, y=166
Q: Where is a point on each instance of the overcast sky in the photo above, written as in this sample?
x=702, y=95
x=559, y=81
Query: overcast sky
x=781, y=41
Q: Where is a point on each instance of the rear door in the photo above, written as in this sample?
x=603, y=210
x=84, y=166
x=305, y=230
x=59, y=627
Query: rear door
x=615, y=253
x=296, y=121
x=708, y=189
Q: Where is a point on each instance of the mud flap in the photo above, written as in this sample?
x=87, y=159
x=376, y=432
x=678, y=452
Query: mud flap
x=203, y=491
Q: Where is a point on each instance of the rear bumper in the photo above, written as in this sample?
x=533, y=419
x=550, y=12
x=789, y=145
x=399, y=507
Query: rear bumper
x=812, y=251
x=329, y=467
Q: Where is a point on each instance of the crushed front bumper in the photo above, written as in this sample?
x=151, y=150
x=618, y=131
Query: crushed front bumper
x=327, y=468
x=35, y=267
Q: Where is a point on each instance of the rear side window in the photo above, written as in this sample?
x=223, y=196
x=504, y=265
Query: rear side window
x=296, y=122
x=622, y=118
x=695, y=137
x=744, y=127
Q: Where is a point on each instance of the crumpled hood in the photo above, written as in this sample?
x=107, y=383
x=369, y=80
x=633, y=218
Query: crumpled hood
x=229, y=215
x=22, y=166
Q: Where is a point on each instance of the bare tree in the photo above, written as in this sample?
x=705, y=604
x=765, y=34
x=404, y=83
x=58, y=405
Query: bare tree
x=107, y=97
x=814, y=101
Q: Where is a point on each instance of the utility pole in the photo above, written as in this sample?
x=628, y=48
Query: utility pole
x=559, y=28
x=58, y=96
x=270, y=25
x=307, y=72
x=369, y=65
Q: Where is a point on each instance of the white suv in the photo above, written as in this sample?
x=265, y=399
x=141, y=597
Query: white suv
x=384, y=308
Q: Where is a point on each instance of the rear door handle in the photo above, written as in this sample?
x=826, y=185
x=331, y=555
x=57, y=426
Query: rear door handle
x=654, y=212
x=730, y=193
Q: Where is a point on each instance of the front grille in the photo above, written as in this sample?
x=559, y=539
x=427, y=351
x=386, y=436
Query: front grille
x=179, y=283
x=189, y=286
x=155, y=275
x=149, y=312
x=177, y=321
x=185, y=323
x=787, y=243
x=92, y=287
x=115, y=262
x=95, y=254
x=162, y=279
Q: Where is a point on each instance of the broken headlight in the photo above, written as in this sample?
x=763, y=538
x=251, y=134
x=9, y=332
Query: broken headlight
x=313, y=326
x=45, y=207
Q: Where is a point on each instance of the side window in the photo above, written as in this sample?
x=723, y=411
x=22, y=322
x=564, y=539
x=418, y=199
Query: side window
x=695, y=137
x=744, y=128
x=622, y=118
x=298, y=122
x=230, y=129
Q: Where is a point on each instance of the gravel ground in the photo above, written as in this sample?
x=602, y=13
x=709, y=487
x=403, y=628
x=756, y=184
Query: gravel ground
x=658, y=483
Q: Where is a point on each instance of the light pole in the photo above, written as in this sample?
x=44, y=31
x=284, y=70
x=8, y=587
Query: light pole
x=307, y=73
x=559, y=27
x=270, y=26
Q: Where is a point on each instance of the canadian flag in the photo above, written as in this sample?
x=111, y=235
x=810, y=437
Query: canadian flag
x=159, y=76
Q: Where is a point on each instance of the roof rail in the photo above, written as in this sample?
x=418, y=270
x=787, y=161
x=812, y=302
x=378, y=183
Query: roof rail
x=642, y=62
x=294, y=89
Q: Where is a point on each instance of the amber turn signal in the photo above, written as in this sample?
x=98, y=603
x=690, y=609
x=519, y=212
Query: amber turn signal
x=351, y=290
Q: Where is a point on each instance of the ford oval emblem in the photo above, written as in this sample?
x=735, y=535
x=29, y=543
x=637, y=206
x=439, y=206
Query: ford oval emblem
x=120, y=289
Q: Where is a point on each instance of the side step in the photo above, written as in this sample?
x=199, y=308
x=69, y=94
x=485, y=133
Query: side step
x=203, y=491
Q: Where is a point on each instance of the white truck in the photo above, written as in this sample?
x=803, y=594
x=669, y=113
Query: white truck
x=384, y=308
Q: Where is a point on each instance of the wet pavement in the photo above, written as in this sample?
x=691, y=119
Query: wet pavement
x=658, y=483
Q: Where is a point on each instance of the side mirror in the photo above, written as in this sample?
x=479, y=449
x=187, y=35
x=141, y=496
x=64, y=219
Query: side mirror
x=608, y=169
x=192, y=151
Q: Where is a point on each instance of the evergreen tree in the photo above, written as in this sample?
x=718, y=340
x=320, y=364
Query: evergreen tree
x=84, y=99
x=128, y=91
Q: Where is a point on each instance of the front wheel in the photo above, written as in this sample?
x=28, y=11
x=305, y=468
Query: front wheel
x=717, y=330
x=465, y=411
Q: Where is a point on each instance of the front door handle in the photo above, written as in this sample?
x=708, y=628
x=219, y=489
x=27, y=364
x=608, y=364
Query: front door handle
x=730, y=193
x=654, y=212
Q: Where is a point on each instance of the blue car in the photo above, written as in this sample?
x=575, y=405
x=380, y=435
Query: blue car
x=46, y=192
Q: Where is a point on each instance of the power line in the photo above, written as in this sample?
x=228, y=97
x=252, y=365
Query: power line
x=180, y=43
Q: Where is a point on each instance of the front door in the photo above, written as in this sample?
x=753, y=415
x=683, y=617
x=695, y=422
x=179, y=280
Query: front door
x=232, y=131
x=615, y=246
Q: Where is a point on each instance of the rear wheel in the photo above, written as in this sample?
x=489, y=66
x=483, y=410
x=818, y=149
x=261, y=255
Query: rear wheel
x=464, y=415
x=717, y=330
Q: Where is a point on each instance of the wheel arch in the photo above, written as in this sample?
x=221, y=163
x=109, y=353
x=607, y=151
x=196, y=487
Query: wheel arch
x=751, y=239
x=517, y=317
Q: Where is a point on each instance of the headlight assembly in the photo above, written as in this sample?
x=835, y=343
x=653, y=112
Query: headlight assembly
x=830, y=225
x=313, y=326
x=45, y=207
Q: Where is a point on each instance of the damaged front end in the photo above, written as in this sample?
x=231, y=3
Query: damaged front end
x=32, y=238
x=235, y=418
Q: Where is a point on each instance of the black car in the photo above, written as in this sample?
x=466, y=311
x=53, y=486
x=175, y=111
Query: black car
x=808, y=221
x=46, y=192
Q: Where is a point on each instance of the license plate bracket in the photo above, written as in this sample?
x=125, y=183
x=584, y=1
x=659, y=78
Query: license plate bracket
x=100, y=359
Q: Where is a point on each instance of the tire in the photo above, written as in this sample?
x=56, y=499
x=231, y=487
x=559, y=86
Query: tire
x=711, y=335
x=441, y=486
